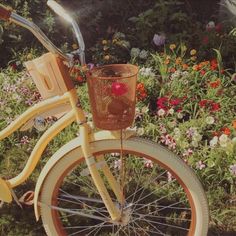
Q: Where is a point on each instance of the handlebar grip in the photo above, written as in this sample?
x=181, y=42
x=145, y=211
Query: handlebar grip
x=5, y=12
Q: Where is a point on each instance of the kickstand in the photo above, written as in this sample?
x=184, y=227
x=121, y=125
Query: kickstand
x=16, y=199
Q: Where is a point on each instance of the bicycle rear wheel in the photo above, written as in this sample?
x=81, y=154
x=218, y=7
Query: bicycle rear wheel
x=163, y=196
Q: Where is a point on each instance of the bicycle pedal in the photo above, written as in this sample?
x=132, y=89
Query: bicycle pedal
x=98, y=165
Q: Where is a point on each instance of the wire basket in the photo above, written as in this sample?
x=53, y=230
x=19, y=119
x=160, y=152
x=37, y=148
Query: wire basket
x=112, y=92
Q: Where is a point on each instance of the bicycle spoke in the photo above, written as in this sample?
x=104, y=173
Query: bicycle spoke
x=155, y=201
x=155, y=222
x=160, y=217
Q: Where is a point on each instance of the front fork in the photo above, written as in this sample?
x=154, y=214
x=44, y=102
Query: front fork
x=114, y=212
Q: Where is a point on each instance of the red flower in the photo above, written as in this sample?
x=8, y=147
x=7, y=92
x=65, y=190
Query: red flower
x=218, y=27
x=203, y=103
x=214, y=64
x=162, y=103
x=118, y=89
x=14, y=66
x=202, y=72
x=175, y=102
x=215, y=106
x=205, y=40
x=79, y=78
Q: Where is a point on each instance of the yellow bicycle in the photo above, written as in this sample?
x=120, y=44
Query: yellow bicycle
x=107, y=182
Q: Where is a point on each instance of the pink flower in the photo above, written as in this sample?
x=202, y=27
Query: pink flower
x=232, y=169
x=169, y=176
x=24, y=140
x=200, y=165
x=168, y=141
x=148, y=163
x=188, y=153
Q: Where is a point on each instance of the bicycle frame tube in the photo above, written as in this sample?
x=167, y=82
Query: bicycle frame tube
x=47, y=136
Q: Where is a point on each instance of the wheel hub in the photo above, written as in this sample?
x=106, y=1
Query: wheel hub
x=126, y=215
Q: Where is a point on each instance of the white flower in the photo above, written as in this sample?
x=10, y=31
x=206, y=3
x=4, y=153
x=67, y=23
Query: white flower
x=210, y=120
x=177, y=134
x=125, y=44
x=223, y=139
x=185, y=74
x=232, y=169
x=161, y=112
x=180, y=115
x=210, y=25
x=143, y=54
x=176, y=130
x=194, y=143
x=140, y=131
x=119, y=35
x=197, y=137
x=134, y=52
x=171, y=111
x=214, y=141
x=171, y=124
x=234, y=140
x=147, y=72
x=117, y=164
x=175, y=75
x=191, y=132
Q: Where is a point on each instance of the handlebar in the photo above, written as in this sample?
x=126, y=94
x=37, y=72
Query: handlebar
x=7, y=15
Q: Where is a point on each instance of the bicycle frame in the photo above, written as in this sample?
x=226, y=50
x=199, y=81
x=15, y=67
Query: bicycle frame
x=75, y=114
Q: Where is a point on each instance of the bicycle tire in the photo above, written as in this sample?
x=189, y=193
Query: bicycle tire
x=182, y=174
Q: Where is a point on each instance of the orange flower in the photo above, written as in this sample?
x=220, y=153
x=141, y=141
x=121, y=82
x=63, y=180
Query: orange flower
x=234, y=124
x=226, y=130
x=215, y=84
x=167, y=61
x=185, y=66
x=178, y=60
x=195, y=67
x=141, y=91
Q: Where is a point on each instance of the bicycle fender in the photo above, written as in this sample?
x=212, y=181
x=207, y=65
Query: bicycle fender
x=73, y=144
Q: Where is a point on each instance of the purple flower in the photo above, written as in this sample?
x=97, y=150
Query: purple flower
x=90, y=66
x=159, y=40
x=232, y=169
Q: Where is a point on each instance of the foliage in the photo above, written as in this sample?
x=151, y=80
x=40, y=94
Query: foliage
x=185, y=92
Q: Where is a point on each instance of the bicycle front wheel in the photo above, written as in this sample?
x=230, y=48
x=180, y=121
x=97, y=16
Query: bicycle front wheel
x=162, y=194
